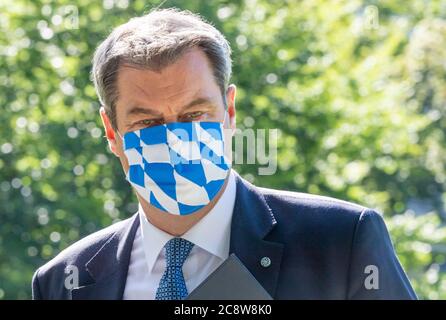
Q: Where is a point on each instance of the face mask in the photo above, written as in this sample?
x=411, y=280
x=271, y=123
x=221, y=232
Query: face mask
x=177, y=167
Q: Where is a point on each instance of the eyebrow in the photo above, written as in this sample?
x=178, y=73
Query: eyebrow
x=136, y=110
x=198, y=101
x=140, y=110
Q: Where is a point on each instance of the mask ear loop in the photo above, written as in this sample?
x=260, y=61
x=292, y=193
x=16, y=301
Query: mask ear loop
x=123, y=142
x=122, y=137
x=224, y=117
x=224, y=121
x=224, y=130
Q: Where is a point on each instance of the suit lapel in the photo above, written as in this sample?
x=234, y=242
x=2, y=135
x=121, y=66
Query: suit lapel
x=252, y=221
x=109, y=266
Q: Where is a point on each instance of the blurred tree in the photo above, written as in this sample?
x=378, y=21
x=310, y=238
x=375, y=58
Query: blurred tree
x=357, y=89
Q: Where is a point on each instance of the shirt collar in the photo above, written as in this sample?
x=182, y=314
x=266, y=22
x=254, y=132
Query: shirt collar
x=211, y=233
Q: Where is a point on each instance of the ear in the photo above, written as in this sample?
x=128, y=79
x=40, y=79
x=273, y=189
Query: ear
x=230, y=99
x=109, y=131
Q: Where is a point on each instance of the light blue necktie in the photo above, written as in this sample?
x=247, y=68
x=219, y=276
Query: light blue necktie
x=172, y=285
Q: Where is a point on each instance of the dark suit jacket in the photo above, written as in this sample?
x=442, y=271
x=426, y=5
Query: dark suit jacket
x=319, y=249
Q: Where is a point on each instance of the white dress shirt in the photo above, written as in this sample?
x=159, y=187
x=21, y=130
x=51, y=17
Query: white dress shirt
x=210, y=236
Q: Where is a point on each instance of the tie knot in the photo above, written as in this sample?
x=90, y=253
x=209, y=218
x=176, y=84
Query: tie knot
x=177, y=250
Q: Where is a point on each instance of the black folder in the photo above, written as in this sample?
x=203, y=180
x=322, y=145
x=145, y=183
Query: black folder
x=230, y=281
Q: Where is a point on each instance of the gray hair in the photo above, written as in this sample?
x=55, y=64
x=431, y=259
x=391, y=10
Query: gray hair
x=154, y=41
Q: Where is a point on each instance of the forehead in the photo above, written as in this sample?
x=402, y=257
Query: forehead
x=189, y=75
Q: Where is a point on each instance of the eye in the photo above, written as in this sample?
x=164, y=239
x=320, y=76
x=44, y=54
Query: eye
x=147, y=123
x=193, y=115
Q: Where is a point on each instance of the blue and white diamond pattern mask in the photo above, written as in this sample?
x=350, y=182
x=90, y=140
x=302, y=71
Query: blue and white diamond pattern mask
x=177, y=167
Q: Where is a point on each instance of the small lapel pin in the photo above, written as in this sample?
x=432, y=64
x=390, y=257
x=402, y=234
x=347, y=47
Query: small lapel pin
x=265, y=262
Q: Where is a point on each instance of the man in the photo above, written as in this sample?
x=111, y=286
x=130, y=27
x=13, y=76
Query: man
x=163, y=81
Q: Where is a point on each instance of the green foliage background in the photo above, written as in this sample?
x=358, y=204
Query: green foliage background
x=357, y=88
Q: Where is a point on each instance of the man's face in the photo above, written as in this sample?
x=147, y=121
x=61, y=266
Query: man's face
x=183, y=91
